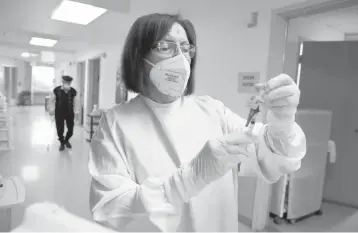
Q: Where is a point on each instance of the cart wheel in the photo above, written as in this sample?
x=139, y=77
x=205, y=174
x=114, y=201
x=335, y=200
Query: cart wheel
x=277, y=220
x=291, y=221
x=319, y=212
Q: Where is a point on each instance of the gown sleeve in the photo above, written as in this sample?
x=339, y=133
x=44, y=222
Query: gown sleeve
x=275, y=156
x=118, y=201
x=115, y=198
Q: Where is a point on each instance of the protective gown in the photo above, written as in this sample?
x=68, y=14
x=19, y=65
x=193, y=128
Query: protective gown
x=140, y=143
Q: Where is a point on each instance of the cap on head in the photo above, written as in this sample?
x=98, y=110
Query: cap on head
x=67, y=78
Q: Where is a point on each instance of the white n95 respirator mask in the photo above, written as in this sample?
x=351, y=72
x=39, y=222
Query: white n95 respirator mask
x=170, y=76
x=66, y=87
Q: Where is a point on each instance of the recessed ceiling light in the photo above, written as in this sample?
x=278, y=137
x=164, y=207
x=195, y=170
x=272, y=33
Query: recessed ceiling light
x=42, y=42
x=29, y=54
x=76, y=12
x=25, y=55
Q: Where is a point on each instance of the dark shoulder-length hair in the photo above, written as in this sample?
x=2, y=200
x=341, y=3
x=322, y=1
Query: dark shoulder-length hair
x=144, y=33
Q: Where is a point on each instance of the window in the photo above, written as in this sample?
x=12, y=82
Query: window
x=42, y=78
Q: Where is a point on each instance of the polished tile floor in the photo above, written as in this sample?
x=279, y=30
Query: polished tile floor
x=333, y=216
x=48, y=174
x=62, y=177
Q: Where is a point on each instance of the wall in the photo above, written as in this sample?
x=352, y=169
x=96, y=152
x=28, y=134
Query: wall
x=66, y=68
x=5, y=61
x=305, y=29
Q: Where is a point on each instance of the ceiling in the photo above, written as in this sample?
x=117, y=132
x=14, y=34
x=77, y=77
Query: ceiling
x=344, y=20
x=22, y=19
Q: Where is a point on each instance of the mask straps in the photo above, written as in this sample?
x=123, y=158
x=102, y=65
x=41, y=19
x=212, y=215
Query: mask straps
x=148, y=62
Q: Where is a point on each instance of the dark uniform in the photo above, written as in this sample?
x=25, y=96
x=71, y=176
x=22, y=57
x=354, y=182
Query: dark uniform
x=64, y=112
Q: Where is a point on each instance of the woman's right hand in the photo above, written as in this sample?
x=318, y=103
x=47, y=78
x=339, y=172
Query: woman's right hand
x=234, y=146
x=220, y=155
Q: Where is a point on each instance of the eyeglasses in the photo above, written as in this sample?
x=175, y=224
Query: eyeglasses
x=170, y=48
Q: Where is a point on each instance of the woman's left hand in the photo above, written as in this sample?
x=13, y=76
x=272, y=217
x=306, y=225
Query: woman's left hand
x=280, y=95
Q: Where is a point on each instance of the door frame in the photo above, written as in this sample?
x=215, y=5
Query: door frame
x=81, y=74
x=280, y=21
x=91, y=82
x=327, y=194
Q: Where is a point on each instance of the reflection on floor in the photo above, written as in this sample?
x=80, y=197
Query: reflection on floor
x=49, y=175
x=62, y=177
x=333, y=215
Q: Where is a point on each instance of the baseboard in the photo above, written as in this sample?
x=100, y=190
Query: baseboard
x=248, y=222
x=244, y=220
x=340, y=203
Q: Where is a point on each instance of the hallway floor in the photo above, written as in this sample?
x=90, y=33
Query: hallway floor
x=333, y=216
x=62, y=177
x=48, y=174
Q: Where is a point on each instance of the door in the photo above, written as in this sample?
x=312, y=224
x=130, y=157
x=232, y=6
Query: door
x=329, y=80
x=96, y=76
x=2, y=81
x=93, y=83
x=81, y=69
x=7, y=82
x=14, y=84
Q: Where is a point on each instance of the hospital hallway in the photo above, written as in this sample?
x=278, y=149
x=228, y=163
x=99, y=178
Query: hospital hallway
x=48, y=175
x=62, y=177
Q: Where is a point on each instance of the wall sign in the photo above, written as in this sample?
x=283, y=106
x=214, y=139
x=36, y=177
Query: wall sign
x=247, y=81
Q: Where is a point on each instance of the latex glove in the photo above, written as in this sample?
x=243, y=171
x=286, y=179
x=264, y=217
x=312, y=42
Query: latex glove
x=220, y=155
x=280, y=96
x=215, y=159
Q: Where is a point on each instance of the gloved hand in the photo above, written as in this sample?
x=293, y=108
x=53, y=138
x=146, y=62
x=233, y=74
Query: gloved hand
x=220, y=155
x=281, y=97
x=214, y=160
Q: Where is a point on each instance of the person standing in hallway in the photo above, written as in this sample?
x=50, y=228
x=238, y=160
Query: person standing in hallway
x=167, y=160
x=63, y=101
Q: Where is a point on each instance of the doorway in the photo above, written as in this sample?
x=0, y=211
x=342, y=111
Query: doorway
x=94, y=66
x=329, y=82
x=284, y=58
x=81, y=74
x=14, y=85
x=7, y=84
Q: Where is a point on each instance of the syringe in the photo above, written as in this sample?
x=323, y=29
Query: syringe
x=252, y=116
